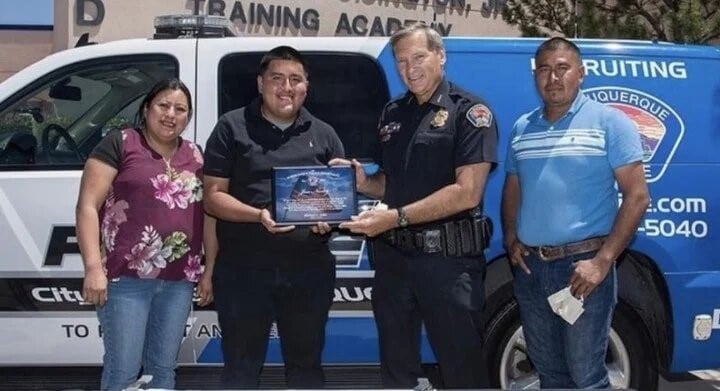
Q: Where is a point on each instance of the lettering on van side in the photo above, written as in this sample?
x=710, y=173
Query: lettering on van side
x=65, y=294
x=636, y=68
x=676, y=216
x=62, y=241
x=57, y=295
x=631, y=68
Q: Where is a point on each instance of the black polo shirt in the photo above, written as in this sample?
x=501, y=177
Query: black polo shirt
x=244, y=147
x=421, y=145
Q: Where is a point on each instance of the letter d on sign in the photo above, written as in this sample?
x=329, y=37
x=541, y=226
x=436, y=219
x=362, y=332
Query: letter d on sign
x=94, y=20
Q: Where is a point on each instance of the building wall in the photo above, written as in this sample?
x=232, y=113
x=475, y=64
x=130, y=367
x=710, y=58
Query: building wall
x=21, y=48
x=109, y=20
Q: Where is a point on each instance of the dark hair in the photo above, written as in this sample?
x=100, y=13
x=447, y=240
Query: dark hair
x=162, y=85
x=557, y=43
x=434, y=39
x=282, y=53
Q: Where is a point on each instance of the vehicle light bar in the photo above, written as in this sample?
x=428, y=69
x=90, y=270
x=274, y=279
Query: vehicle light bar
x=192, y=26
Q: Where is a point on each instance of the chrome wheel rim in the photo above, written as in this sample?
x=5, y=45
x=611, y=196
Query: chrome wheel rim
x=517, y=373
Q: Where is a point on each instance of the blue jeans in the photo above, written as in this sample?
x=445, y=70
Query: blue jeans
x=143, y=322
x=565, y=356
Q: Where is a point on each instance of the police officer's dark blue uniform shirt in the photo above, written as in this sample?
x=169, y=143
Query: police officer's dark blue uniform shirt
x=422, y=145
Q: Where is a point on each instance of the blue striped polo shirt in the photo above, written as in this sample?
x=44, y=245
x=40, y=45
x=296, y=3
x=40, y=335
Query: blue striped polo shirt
x=566, y=171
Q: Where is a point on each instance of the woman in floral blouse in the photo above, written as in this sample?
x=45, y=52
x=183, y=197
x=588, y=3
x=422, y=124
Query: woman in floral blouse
x=140, y=228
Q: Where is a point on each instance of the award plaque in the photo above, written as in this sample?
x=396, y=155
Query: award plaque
x=307, y=195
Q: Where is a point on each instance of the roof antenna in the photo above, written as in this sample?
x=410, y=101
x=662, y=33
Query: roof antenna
x=576, y=18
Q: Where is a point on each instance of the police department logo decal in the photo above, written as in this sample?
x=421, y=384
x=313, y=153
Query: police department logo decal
x=660, y=127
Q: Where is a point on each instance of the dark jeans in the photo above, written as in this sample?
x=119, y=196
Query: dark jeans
x=447, y=295
x=248, y=300
x=565, y=356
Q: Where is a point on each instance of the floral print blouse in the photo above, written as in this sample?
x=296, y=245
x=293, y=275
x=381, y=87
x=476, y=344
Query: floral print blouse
x=152, y=219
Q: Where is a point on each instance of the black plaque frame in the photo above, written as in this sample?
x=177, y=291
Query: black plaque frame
x=305, y=195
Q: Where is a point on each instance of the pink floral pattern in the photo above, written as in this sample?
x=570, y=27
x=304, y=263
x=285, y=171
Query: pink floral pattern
x=148, y=255
x=114, y=215
x=151, y=222
x=153, y=254
x=172, y=192
x=193, y=184
x=194, y=269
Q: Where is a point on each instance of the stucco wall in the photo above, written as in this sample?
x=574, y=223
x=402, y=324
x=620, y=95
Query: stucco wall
x=21, y=48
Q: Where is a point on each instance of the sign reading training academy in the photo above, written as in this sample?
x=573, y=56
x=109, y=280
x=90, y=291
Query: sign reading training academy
x=391, y=15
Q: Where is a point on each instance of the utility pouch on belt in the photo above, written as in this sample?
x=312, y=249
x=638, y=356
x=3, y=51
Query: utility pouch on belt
x=458, y=238
x=482, y=231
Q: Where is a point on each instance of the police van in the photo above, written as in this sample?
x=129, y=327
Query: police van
x=55, y=111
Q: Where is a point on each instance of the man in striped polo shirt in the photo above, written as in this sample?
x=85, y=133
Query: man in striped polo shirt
x=561, y=220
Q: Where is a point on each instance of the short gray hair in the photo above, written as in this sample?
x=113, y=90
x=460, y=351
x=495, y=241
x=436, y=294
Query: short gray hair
x=434, y=39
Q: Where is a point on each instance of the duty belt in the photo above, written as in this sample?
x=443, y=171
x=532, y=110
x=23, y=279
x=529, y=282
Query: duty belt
x=551, y=253
x=461, y=238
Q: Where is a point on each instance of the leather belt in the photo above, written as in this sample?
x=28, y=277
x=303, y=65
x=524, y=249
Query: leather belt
x=551, y=253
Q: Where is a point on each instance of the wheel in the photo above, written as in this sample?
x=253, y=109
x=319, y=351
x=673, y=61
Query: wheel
x=630, y=358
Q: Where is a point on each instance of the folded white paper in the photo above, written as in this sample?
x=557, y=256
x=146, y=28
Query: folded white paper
x=565, y=305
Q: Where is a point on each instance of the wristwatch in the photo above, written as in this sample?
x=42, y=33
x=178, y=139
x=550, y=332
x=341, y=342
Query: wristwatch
x=402, y=220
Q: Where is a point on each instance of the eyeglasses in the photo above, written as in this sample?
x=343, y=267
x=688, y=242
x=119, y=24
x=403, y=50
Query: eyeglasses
x=559, y=70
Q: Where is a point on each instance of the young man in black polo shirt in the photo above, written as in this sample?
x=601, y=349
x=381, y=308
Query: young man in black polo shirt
x=266, y=272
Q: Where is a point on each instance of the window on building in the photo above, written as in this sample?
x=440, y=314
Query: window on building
x=347, y=90
x=57, y=121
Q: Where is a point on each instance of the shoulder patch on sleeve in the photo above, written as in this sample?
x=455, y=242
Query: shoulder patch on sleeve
x=479, y=116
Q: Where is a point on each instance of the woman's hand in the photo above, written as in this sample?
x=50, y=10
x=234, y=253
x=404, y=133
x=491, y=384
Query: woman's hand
x=95, y=286
x=205, y=289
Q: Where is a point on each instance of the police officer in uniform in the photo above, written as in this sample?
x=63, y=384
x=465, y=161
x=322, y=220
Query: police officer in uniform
x=266, y=272
x=438, y=145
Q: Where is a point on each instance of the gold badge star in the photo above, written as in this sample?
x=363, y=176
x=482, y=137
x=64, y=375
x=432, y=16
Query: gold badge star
x=439, y=119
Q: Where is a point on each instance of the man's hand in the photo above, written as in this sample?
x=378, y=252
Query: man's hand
x=518, y=252
x=588, y=274
x=270, y=224
x=95, y=286
x=321, y=228
x=360, y=177
x=372, y=222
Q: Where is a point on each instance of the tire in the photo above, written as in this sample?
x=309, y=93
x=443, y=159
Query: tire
x=631, y=358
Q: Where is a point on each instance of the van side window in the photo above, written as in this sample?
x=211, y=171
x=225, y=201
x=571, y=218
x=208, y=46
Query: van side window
x=347, y=90
x=55, y=122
